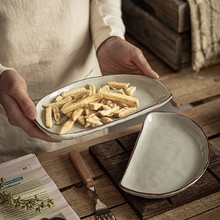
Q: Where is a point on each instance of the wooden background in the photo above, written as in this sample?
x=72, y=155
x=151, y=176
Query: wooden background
x=162, y=26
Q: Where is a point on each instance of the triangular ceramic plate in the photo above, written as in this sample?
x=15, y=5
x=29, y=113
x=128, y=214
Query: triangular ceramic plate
x=151, y=94
x=171, y=154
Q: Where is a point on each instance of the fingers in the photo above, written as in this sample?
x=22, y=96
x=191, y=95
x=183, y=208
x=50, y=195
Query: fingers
x=116, y=55
x=23, y=100
x=18, y=106
x=138, y=58
x=13, y=85
x=26, y=104
x=17, y=118
x=33, y=131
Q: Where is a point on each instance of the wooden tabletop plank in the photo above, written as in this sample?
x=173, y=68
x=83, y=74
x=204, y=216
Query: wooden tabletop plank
x=62, y=171
x=125, y=212
x=209, y=215
x=215, y=169
x=207, y=116
x=204, y=186
x=82, y=201
x=214, y=153
x=122, y=212
x=216, y=142
x=192, y=209
x=187, y=88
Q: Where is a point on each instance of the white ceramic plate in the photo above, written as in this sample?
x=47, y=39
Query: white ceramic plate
x=171, y=154
x=151, y=93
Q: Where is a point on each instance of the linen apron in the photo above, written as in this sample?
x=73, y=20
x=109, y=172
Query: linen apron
x=51, y=43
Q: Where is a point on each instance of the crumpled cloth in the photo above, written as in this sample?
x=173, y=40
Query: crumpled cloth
x=205, y=32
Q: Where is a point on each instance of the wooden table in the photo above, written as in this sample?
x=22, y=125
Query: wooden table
x=201, y=201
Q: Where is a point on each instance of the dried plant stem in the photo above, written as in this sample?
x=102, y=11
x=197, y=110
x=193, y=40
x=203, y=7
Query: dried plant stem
x=6, y=198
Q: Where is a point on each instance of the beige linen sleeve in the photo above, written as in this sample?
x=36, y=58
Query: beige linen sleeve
x=105, y=20
x=3, y=68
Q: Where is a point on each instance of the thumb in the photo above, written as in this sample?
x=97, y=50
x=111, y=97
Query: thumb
x=20, y=95
x=139, y=59
x=145, y=68
x=26, y=104
x=13, y=85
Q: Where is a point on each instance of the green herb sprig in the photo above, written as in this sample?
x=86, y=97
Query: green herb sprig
x=6, y=198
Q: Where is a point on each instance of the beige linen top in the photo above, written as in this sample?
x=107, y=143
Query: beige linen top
x=51, y=43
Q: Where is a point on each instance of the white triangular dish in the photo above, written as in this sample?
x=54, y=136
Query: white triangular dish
x=170, y=154
x=151, y=94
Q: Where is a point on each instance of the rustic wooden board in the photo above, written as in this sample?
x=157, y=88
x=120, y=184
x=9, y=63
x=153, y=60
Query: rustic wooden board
x=115, y=164
x=174, y=13
x=164, y=42
x=216, y=142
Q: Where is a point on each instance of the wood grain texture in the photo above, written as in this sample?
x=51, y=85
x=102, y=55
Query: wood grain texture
x=65, y=173
x=216, y=143
x=164, y=42
x=187, y=87
x=193, y=209
x=81, y=167
x=123, y=212
x=206, y=116
x=173, y=13
x=80, y=198
x=209, y=215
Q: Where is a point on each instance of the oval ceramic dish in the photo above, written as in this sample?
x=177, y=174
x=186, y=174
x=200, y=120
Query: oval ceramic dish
x=151, y=94
x=170, y=154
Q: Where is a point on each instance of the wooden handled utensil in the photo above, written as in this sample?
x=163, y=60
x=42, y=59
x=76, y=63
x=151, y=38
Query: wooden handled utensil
x=101, y=210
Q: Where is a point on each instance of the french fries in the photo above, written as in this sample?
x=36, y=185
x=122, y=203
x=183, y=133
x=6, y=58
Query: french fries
x=81, y=103
x=130, y=91
x=129, y=100
x=66, y=126
x=123, y=112
x=73, y=92
x=49, y=121
x=78, y=112
x=90, y=106
x=56, y=115
x=118, y=85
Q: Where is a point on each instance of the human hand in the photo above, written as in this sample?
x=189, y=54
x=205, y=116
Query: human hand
x=119, y=56
x=18, y=106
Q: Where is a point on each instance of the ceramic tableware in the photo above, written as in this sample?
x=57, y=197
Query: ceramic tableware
x=151, y=94
x=170, y=154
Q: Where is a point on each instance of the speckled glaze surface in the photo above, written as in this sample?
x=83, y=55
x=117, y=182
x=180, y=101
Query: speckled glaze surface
x=170, y=154
x=151, y=94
